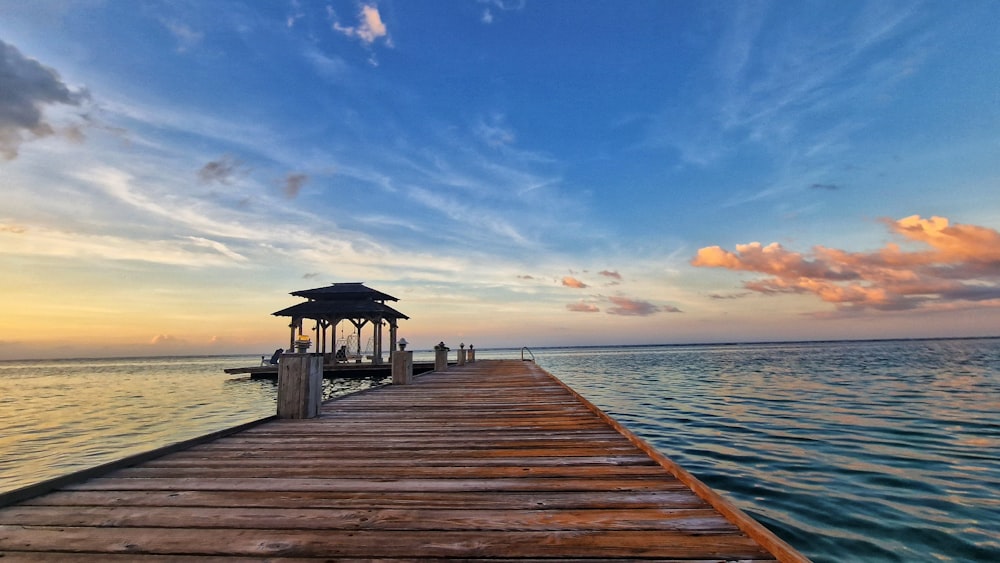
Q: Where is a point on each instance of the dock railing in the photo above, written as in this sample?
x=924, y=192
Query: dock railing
x=528, y=350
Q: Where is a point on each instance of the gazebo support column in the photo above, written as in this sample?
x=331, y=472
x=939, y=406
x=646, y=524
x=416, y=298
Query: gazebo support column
x=392, y=337
x=376, y=345
x=291, y=338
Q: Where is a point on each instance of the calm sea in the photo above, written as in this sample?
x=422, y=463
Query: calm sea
x=850, y=451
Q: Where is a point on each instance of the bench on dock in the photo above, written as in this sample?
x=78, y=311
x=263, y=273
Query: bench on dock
x=495, y=459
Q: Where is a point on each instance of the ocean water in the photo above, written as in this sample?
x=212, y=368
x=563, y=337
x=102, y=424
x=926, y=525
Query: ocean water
x=850, y=451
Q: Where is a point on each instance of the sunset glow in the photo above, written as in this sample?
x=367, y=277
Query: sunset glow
x=516, y=173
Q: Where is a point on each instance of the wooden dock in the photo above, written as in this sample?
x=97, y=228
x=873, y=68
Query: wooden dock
x=491, y=460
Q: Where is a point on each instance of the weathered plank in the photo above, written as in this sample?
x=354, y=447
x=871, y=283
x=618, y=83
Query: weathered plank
x=495, y=460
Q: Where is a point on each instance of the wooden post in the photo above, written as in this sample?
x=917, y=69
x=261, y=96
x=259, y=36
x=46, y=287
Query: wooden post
x=402, y=367
x=440, y=357
x=300, y=385
x=472, y=354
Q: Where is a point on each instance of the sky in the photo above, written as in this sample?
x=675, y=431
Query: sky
x=518, y=173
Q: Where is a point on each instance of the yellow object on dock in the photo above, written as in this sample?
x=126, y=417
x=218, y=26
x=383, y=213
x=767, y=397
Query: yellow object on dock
x=495, y=459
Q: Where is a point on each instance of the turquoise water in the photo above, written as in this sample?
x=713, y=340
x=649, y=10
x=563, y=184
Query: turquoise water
x=850, y=451
x=867, y=451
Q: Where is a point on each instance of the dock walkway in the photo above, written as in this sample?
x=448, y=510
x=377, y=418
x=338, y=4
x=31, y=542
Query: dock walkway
x=495, y=459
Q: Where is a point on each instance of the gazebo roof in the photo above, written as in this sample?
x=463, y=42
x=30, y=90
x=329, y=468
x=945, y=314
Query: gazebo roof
x=351, y=291
x=340, y=309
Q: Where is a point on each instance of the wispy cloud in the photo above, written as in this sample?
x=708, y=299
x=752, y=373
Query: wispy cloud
x=797, y=93
x=195, y=252
x=495, y=131
x=187, y=37
x=957, y=264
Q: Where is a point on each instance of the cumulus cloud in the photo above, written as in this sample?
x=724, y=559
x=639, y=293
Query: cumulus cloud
x=26, y=88
x=293, y=183
x=582, y=307
x=944, y=266
x=369, y=28
x=221, y=170
x=635, y=307
x=570, y=281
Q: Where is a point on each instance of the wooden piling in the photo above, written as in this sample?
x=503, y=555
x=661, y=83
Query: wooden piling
x=300, y=385
x=440, y=357
x=402, y=368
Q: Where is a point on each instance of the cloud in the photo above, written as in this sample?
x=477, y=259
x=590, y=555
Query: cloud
x=293, y=184
x=495, y=132
x=167, y=340
x=27, y=87
x=15, y=229
x=370, y=26
x=294, y=15
x=582, y=307
x=330, y=67
x=221, y=170
x=951, y=265
x=635, y=308
x=611, y=274
x=570, y=281
x=187, y=38
x=827, y=187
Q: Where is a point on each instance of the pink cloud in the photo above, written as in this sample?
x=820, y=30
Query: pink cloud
x=570, y=281
x=631, y=307
x=954, y=263
x=583, y=307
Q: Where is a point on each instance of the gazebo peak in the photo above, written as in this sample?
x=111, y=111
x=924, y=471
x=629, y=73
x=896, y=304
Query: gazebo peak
x=344, y=291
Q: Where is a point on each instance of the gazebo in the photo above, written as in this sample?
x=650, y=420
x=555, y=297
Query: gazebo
x=353, y=302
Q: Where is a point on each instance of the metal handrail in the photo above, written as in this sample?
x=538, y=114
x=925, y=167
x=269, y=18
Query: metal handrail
x=523, y=348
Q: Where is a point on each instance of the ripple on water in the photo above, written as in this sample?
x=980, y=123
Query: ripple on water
x=867, y=451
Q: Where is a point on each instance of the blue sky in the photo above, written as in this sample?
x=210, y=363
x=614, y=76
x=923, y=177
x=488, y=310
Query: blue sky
x=515, y=172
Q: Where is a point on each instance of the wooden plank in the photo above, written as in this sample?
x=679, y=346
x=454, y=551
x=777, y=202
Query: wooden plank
x=701, y=520
x=388, y=543
x=361, y=484
x=103, y=557
x=533, y=500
